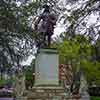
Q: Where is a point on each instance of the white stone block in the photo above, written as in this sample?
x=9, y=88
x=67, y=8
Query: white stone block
x=46, y=67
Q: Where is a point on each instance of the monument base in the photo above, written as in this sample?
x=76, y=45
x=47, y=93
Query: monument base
x=46, y=67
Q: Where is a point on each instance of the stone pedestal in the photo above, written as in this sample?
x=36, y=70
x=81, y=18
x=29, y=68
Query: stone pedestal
x=46, y=67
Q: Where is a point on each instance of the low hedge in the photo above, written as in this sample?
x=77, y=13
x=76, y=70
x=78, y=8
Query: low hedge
x=8, y=82
x=95, y=98
x=2, y=83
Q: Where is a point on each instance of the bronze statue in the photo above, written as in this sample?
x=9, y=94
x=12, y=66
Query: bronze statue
x=47, y=22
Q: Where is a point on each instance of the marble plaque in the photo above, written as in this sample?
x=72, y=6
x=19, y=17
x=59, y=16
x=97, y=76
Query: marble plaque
x=46, y=67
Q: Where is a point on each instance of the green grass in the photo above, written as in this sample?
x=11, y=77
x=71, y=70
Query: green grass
x=95, y=98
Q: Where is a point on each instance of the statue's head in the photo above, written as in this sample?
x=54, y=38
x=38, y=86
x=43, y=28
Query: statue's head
x=46, y=8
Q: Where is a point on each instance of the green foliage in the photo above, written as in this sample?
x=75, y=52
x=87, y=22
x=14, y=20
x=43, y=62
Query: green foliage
x=30, y=70
x=79, y=50
x=28, y=74
x=16, y=34
x=95, y=98
x=29, y=78
x=92, y=71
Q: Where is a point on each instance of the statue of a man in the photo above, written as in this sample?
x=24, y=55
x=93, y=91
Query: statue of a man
x=47, y=22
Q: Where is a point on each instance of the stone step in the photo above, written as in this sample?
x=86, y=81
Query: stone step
x=55, y=98
x=48, y=89
x=49, y=93
x=46, y=93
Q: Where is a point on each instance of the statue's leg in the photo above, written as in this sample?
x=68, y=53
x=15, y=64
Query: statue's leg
x=44, y=39
x=49, y=39
x=41, y=40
